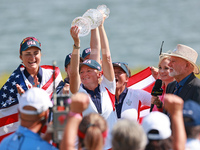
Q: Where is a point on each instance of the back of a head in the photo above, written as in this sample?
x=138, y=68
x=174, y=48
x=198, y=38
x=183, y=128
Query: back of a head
x=157, y=127
x=128, y=135
x=191, y=115
x=92, y=131
x=33, y=105
x=37, y=98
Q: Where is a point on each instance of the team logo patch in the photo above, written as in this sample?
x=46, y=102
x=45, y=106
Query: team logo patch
x=118, y=64
x=129, y=102
x=88, y=50
x=31, y=43
x=87, y=61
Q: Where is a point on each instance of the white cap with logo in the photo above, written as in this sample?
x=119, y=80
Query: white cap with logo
x=157, y=121
x=37, y=98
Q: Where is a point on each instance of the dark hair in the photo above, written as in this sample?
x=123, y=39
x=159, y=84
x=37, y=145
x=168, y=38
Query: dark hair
x=129, y=71
x=192, y=131
x=165, y=144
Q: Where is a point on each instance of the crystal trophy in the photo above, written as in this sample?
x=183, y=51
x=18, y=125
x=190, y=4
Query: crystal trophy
x=91, y=19
x=83, y=24
x=104, y=10
x=95, y=17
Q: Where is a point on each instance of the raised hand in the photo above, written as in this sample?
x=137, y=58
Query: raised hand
x=36, y=82
x=79, y=102
x=154, y=72
x=74, y=31
x=19, y=89
x=173, y=103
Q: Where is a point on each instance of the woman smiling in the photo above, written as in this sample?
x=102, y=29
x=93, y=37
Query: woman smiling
x=27, y=75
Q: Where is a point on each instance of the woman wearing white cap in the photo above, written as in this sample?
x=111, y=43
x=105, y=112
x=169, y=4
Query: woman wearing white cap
x=88, y=73
x=27, y=75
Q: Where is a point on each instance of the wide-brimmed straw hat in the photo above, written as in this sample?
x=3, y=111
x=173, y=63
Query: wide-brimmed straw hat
x=187, y=53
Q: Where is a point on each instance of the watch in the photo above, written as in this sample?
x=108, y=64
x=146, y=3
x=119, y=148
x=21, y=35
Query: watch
x=76, y=47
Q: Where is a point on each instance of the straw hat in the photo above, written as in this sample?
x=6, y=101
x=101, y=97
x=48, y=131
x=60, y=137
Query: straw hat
x=186, y=53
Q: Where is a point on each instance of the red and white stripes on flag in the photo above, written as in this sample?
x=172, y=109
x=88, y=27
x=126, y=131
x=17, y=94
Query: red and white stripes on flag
x=145, y=81
x=9, y=121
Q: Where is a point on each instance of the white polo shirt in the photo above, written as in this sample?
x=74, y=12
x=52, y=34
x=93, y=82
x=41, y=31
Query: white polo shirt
x=107, y=90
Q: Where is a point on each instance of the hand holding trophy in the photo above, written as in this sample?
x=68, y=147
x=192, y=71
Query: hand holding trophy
x=91, y=19
x=83, y=24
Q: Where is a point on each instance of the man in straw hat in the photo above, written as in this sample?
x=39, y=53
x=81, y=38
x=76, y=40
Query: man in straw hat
x=183, y=67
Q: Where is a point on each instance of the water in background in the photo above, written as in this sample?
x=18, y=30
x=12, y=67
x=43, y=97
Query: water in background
x=135, y=28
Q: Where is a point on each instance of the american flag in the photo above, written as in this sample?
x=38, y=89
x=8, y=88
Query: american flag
x=9, y=101
x=145, y=81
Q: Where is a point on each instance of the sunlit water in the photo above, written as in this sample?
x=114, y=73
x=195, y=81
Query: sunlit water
x=135, y=28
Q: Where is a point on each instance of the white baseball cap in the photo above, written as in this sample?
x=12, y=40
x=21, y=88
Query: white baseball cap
x=37, y=98
x=157, y=121
x=130, y=114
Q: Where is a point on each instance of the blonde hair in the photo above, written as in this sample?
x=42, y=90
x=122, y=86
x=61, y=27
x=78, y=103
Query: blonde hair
x=162, y=57
x=92, y=126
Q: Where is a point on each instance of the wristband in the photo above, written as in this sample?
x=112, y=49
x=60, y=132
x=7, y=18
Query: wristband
x=160, y=106
x=76, y=115
x=76, y=47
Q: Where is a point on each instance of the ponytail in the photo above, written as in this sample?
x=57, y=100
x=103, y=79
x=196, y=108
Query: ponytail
x=92, y=132
x=93, y=138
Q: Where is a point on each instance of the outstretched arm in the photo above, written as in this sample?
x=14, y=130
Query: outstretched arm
x=75, y=60
x=79, y=103
x=174, y=105
x=108, y=70
x=95, y=45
